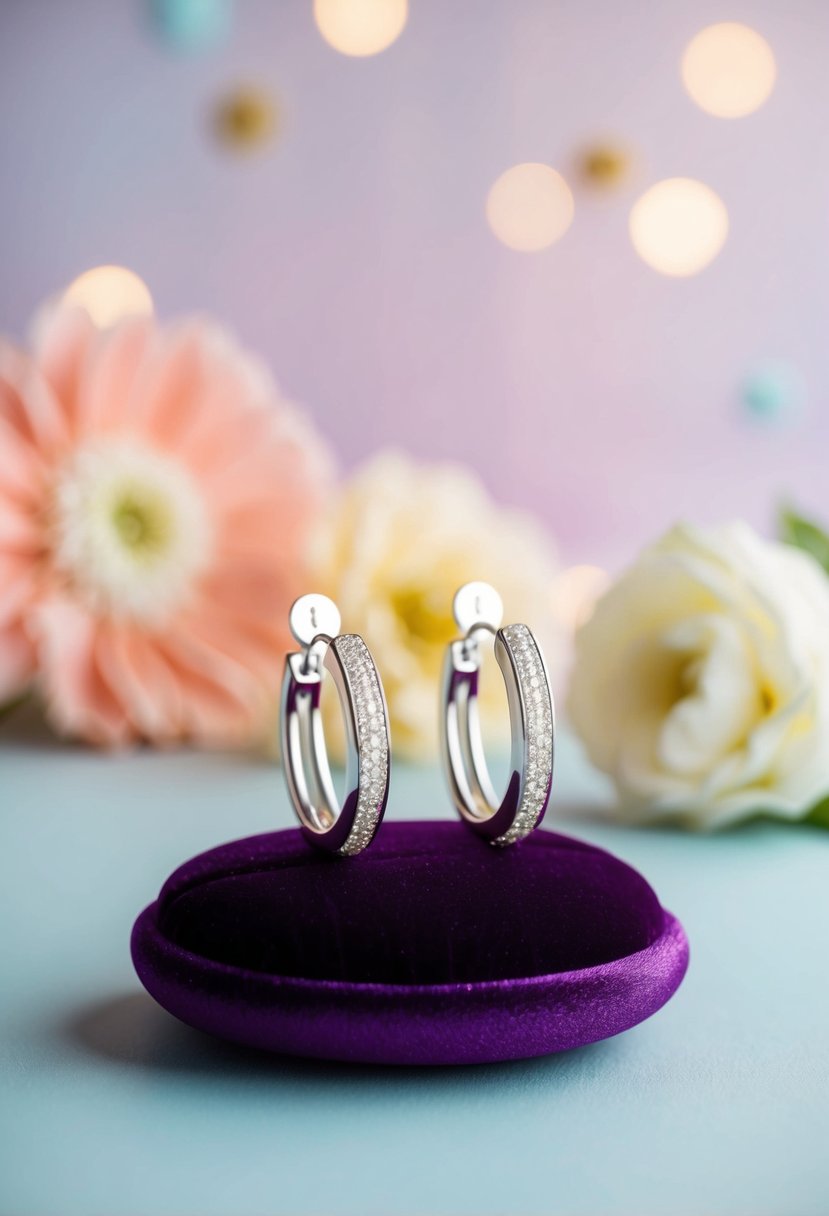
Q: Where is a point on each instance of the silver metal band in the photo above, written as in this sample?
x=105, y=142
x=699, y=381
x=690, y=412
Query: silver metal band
x=347, y=828
x=531, y=718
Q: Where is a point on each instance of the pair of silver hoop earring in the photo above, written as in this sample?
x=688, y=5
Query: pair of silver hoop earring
x=349, y=827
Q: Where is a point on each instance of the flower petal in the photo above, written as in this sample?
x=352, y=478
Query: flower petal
x=28, y=403
x=62, y=339
x=107, y=378
x=79, y=700
x=724, y=701
x=144, y=682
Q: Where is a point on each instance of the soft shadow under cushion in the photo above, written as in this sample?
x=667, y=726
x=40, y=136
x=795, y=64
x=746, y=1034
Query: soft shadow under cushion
x=431, y=947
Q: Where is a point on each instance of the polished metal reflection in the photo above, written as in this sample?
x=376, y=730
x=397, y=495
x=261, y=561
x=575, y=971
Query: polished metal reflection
x=346, y=827
x=503, y=821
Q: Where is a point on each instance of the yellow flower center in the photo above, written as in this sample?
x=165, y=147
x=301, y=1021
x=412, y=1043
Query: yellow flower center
x=426, y=620
x=143, y=523
x=130, y=530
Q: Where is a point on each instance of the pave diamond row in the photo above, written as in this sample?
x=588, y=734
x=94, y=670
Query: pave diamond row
x=537, y=707
x=372, y=739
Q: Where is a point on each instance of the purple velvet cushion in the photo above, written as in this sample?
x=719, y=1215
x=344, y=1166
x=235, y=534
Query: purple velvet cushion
x=430, y=947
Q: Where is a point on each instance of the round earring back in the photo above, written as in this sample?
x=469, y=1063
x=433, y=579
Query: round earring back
x=477, y=607
x=345, y=828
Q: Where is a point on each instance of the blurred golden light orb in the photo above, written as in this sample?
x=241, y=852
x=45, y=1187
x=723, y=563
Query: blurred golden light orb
x=245, y=118
x=529, y=207
x=360, y=27
x=605, y=164
x=109, y=293
x=728, y=69
x=678, y=226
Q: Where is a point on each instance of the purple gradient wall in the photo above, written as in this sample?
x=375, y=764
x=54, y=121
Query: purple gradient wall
x=355, y=255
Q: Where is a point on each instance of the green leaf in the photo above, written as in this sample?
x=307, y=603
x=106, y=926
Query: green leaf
x=805, y=534
x=8, y=707
x=819, y=815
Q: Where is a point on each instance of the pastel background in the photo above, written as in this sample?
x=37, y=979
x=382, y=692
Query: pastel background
x=353, y=250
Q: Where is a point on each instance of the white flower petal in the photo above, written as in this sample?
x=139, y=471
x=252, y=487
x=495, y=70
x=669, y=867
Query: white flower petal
x=701, y=682
x=723, y=699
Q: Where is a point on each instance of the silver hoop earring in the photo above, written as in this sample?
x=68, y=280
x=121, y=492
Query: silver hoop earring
x=477, y=607
x=348, y=828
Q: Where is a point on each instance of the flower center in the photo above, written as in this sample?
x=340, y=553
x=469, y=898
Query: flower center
x=142, y=525
x=720, y=696
x=130, y=529
x=424, y=621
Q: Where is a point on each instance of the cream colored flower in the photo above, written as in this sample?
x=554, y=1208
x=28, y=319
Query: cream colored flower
x=402, y=538
x=701, y=681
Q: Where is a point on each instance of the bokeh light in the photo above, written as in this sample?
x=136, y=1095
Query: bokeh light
x=192, y=25
x=728, y=69
x=605, y=165
x=773, y=391
x=109, y=293
x=246, y=118
x=678, y=226
x=360, y=27
x=529, y=207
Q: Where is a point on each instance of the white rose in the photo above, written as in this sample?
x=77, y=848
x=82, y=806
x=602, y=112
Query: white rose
x=701, y=682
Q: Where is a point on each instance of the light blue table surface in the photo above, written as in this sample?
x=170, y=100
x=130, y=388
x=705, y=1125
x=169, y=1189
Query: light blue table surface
x=109, y=1107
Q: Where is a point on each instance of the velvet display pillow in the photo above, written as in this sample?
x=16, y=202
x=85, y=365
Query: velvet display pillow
x=431, y=947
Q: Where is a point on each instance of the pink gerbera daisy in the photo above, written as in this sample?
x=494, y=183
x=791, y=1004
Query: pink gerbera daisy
x=156, y=497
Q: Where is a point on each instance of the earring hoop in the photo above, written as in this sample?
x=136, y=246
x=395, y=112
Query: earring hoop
x=477, y=607
x=349, y=827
